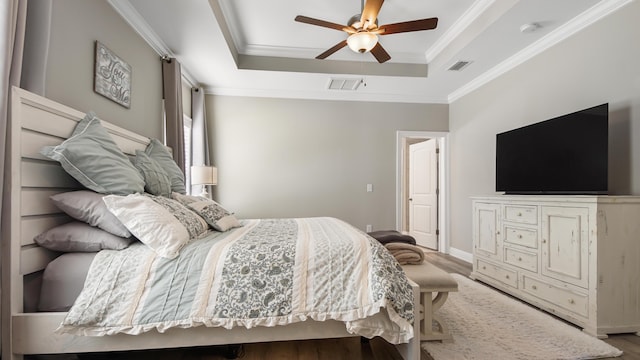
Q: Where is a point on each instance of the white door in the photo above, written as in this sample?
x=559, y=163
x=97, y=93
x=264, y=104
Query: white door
x=423, y=197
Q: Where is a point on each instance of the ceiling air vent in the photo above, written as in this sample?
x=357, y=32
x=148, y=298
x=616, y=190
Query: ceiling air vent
x=344, y=84
x=459, y=65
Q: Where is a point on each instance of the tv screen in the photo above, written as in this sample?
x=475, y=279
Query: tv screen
x=563, y=155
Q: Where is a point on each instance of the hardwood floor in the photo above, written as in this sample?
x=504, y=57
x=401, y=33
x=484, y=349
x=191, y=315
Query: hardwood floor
x=329, y=349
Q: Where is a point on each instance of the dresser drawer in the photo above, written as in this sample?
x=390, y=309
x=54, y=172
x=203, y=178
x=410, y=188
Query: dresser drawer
x=521, y=213
x=506, y=276
x=521, y=236
x=521, y=259
x=564, y=298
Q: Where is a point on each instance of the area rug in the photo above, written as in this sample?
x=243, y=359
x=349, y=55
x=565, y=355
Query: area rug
x=487, y=324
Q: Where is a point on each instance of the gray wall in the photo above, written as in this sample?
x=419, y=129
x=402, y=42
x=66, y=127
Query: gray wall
x=295, y=158
x=597, y=65
x=75, y=26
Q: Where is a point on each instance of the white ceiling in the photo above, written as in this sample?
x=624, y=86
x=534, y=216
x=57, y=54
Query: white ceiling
x=255, y=48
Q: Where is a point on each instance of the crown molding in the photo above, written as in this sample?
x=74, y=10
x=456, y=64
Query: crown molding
x=325, y=94
x=291, y=52
x=140, y=25
x=588, y=17
x=458, y=28
x=232, y=26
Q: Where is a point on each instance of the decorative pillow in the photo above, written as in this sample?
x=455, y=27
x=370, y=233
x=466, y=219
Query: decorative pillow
x=87, y=206
x=157, y=151
x=164, y=229
x=187, y=199
x=92, y=157
x=156, y=180
x=214, y=214
x=195, y=225
x=77, y=236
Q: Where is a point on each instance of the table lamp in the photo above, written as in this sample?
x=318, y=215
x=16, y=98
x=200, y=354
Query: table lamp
x=204, y=175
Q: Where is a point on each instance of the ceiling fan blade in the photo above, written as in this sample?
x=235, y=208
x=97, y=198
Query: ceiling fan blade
x=407, y=26
x=335, y=48
x=312, y=21
x=380, y=53
x=370, y=13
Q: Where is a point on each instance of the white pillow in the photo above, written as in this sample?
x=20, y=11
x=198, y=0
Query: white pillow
x=152, y=223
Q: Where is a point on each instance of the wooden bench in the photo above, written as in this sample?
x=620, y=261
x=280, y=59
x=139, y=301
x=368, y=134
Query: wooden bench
x=435, y=285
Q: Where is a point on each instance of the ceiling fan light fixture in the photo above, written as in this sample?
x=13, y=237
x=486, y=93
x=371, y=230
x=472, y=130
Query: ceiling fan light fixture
x=362, y=41
x=363, y=30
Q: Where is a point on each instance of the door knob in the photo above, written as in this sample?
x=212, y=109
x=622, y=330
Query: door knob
x=410, y=199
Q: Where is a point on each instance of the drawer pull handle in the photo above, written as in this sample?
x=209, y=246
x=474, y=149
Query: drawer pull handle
x=484, y=268
x=571, y=301
x=497, y=232
x=534, y=287
x=519, y=259
x=519, y=214
x=519, y=236
x=544, y=241
x=507, y=276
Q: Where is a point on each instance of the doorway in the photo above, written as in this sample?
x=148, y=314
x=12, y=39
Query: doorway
x=421, y=187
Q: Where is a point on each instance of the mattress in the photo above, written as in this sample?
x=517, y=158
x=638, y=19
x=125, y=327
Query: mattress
x=63, y=280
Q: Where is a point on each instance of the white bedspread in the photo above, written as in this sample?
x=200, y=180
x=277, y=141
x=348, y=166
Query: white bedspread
x=268, y=272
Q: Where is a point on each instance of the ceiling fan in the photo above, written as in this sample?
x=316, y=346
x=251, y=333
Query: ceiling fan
x=363, y=30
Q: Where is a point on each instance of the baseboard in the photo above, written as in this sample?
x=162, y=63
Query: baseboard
x=462, y=255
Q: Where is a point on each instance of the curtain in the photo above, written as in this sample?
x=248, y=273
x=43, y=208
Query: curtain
x=36, y=46
x=172, y=95
x=199, y=139
x=13, y=15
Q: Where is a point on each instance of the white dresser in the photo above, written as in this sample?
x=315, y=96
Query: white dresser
x=577, y=257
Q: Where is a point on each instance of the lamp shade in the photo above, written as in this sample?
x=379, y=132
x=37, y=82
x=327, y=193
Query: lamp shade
x=362, y=41
x=204, y=175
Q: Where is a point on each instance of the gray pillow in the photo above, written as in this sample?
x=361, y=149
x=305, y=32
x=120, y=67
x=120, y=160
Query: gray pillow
x=92, y=157
x=157, y=151
x=87, y=206
x=156, y=180
x=77, y=236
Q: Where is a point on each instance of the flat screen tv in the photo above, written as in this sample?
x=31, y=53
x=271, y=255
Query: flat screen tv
x=563, y=155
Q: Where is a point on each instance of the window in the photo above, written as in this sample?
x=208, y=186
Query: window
x=187, y=124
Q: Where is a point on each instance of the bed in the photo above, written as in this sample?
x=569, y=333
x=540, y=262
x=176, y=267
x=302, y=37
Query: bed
x=37, y=122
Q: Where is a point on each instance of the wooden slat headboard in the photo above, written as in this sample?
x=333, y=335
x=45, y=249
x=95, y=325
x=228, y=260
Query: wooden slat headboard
x=36, y=122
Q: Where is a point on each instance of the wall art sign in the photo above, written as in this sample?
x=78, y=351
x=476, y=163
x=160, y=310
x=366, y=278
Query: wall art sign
x=112, y=76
